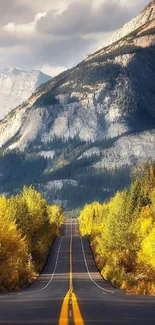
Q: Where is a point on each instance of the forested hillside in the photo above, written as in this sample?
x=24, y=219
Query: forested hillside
x=71, y=185
x=122, y=234
x=28, y=226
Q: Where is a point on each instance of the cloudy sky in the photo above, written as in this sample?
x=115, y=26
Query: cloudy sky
x=53, y=35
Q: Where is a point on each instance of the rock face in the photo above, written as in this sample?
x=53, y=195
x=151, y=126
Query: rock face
x=100, y=114
x=16, y=86
x=144, y=17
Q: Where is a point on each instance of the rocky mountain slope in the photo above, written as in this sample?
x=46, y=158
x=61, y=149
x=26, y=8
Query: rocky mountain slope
x=16, y=86
x=92, y=119
x=144, y=17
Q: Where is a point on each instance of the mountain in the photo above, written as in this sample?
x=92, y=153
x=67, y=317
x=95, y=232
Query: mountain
x=144, y=17
x=16, y=86
x=89, y=125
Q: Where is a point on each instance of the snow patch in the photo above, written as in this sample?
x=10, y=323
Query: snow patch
x=91, y=152
x=58, y=185
x=46, y=154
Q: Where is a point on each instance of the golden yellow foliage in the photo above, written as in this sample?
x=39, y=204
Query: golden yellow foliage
x=122, y=235
x=15, y=266
x=56, y=215
x=147, y=253
x=27, y=228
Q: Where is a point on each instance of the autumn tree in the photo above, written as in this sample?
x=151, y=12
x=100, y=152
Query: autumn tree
x=28, y=226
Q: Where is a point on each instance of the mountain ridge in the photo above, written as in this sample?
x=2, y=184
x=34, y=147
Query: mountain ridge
x=147, y=14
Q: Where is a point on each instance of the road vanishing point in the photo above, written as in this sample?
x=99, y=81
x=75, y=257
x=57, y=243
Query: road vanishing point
x=70, y=290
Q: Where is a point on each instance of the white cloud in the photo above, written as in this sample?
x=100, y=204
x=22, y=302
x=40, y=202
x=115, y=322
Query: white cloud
x=52, y=70
x=24, y=28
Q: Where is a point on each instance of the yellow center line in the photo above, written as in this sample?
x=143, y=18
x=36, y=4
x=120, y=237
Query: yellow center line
x=63, y=320
x=64, y=315
x=71, y=264
x=78, y=320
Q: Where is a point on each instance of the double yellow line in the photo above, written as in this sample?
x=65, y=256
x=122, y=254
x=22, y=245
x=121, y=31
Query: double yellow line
x=71, y=263
x=70, y=307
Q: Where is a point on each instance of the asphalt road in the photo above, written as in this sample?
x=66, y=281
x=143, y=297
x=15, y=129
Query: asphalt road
x=70, y=291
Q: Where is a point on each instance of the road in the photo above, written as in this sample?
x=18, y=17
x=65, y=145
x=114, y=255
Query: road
x=70, y=291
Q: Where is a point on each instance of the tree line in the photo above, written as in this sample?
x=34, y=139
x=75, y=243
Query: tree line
x=122, y=234
x=28, y=226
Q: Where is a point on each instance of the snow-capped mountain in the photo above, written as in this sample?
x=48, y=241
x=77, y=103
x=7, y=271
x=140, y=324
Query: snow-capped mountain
x=16, y=86
x=99, y=114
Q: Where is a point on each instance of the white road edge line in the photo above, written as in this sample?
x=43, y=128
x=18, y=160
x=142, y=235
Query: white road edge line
x=84, y=256
x=56, y=262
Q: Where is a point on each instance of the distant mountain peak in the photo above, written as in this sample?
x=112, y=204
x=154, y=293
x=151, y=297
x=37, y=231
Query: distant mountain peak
x=17, y=85
x=13, y=68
